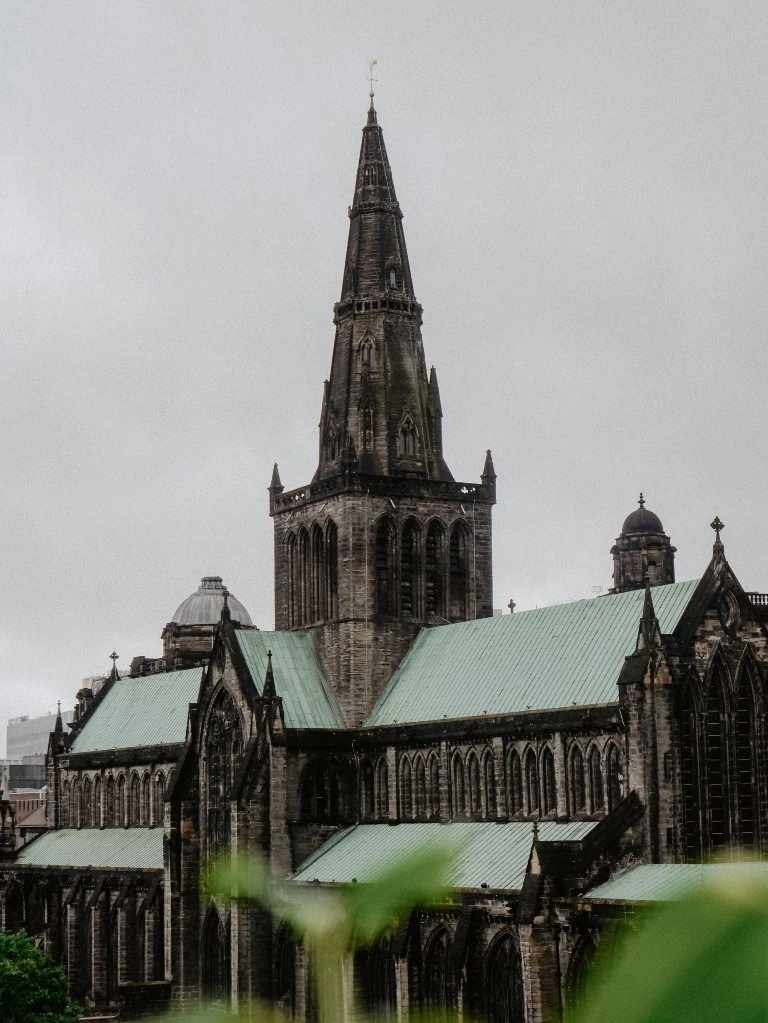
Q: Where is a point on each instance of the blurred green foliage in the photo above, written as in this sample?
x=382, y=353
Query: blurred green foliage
x=703, y=959
x=32, y=988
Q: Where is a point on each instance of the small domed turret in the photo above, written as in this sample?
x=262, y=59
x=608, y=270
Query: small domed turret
x=188, y=637
x=642, y=551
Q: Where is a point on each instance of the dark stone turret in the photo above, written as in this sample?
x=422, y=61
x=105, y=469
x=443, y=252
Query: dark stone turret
x=643, y=552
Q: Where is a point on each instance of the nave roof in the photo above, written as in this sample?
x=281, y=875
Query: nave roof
x=551, y=658
x=107, y=848
x=667, y=882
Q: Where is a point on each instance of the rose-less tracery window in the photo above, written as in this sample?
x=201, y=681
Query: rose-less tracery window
x=223, y=747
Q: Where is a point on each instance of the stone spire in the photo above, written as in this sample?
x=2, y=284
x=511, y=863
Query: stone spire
x=378, y=393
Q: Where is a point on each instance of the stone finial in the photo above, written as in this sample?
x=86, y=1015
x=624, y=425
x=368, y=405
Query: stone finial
x=511, y=605
x=718, y=549
x=275, y=486
x=113, y=675
x=226, y=614
x=641, y=500
x=269, y=691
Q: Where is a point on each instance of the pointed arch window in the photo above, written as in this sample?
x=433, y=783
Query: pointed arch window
x=332, y=570
x=367, y=353
x=473, y=785
x=489, y=785
x=615, y=774
x=578, y=789
x=317, y=575
x=409, y=570
x=596, y=795
x=459, y=572
x=407, y=437
x=531, y=782
x=305, y=569
x=549, y=788
x=367, y=789
x=434, y=787
x=216, y=980
x=504, y=983
x=134, y=802
x=366, y=426
x=120, y=803
x=384, y=561
x=406, y=792
x=459, y=798
x=434, y=566
x=515, y=782
x=382, y=790
x=146, y=812
x=87, y=816
x=690, y=772
x=75, y=817
x=420, y=772
x=717, y=762
x=292, y=559
x=159, y=798
x=439, y=983
x=110, y=809
x=747, y=777
x=97, y=818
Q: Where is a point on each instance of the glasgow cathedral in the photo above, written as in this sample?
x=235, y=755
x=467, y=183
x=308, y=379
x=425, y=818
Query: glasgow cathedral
x=589, y=758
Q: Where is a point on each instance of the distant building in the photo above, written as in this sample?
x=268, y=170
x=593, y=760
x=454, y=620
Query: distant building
x=28, y=736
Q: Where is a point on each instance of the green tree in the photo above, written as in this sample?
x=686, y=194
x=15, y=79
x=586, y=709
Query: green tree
x=33, y=988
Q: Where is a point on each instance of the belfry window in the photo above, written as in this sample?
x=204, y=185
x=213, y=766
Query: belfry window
x=406, y=437
x=384, y=555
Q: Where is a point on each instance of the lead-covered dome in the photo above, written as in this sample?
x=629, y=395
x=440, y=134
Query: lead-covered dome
x=203, y=607
x=642, y=520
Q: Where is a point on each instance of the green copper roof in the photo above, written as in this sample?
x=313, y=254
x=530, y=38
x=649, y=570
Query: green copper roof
x=561, y=656
x=307, y=700
x=147, y=711
x=666, y=882
x=120, y=848
x=487, y=854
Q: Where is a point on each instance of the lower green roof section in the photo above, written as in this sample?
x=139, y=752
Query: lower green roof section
x=667, y=882
x=107, y=848
x=486, y=854
x=150, y=710
x=308, y=702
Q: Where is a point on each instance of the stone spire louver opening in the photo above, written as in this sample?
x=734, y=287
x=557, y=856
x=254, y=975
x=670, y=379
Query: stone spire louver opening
x=379, y=400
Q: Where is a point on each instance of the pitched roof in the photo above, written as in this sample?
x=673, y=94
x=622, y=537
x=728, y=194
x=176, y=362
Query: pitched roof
x=147, y=711
x=121, y=848
x=307, y=701
x=666, y=882
x=486, y=853
x=553, y=657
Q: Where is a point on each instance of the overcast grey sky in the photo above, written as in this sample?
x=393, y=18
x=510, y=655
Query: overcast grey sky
x=584, y=188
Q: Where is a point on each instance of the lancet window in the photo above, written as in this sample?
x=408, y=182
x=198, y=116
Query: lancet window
x=409, y=553
x=473, y=779
x=531, y=782
x=504, y=982
x=459, y=572
x=549, y=788
x=420, y=787
x=595, y=771
x=406, y=792
x=434, y=786
x=439, y=988
x=87, y=816
x=433, y=571
x=458, y=790
x=222, y=745
x=384, y=567
x=578, y=788
x=97, y=816
x=615, y=776
x=489, y=785
x=382, y=790
x=515, y=782
x=407, y=438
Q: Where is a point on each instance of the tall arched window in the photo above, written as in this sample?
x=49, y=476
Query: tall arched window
x=615, y=771
x=305, y=571
x=292, y=560
x=420, y=787
x=110, y=814
x=409, y=553
x=515, y=782
x=459, y=572
x=717, y=762
x=549, y=788
x=578, y=788
x=159, y=816
x=406, y=792
x=215, y=959
x=747, y=776
x=384, y=567
x=407, y=437
x=690, y=771
x=75, y=814
x=434, y=787
x=98, y=820
x=473, y=779
x=332, y=570
x=504, y=983
x=531, y=781
x=318, y=574
x=366, y=789
x=489, y=785
x=64, y=810
x=134, y=801
x=87, y=816
x=375, y=970
x=434, y=562
x=120, y=807
x=382, y=789
x=284, y=970
x=146, y=812
x=223, y=739
x=457, y=778
x=439, y=990
x=596, y=796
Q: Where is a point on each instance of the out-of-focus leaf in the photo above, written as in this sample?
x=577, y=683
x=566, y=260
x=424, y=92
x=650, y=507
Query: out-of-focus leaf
x=701, y=960
x=419, y=880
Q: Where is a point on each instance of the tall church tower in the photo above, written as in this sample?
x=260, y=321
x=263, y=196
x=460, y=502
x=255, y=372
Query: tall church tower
x=383, y=541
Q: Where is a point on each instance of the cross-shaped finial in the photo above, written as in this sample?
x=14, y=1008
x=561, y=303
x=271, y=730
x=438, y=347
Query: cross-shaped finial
x=371, y=65
x=113, y=657
x=641, y=500
x=717, y=525
x=511, y=605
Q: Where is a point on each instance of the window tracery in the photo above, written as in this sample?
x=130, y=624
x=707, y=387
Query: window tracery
x=222, y=746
